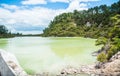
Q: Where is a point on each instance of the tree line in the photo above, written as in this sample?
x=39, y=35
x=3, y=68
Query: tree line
x=94, y=22
x=4, y=33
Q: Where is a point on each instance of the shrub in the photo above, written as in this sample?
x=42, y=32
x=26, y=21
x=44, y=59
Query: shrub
x=101, y=41
x=113, y=50
x=102, y=57
x=110, y=54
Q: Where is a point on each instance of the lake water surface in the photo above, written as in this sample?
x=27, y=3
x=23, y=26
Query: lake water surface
x=39, y=54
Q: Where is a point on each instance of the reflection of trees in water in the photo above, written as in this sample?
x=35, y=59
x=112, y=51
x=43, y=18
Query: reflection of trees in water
x=3, y=43
x=66, y=51
x=64, y=48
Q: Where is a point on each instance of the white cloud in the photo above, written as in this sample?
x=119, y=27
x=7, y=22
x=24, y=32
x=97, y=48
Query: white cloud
x=88, y=0
x=9, y=6
x=11, y=21
x=34, y=17
x=68, y=1
x=30, y=32
x=65, y=1
x=76, y=5
x=33, y=2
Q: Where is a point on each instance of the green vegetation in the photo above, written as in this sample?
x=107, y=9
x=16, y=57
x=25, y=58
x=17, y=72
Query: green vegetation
x=102, y=57
x=113, y=39
x=4, y=33
x=94, y=22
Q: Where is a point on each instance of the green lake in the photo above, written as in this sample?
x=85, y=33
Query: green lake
x=50, y=54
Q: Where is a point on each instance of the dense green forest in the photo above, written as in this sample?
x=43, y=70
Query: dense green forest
x=94, y=22
x=4, y=33
x=111, y=42
x=101, y=22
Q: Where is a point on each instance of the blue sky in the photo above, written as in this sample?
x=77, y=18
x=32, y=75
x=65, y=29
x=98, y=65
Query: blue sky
x=32, y=16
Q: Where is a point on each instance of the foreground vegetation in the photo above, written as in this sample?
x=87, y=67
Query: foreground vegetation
x=101, y=22
x=112, y=42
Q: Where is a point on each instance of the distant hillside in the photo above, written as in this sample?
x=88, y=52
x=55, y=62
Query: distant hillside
x=94, y=22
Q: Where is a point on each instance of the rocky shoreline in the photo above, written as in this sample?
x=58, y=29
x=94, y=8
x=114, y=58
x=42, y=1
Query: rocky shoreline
x=110, y=68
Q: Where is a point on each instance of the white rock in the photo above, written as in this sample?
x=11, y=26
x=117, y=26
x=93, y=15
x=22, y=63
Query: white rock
x=12, y=63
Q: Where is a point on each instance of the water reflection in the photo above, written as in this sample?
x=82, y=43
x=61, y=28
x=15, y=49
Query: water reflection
x=3, y=43
x=71, y=46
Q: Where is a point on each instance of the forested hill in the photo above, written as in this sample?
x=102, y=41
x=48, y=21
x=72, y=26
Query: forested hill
x=94, y=22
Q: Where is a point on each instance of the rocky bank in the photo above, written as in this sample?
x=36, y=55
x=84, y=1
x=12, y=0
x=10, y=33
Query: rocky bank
x=110, y=68
x=9, y=65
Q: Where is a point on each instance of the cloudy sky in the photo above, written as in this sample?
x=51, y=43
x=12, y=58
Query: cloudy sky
x=32, y=16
